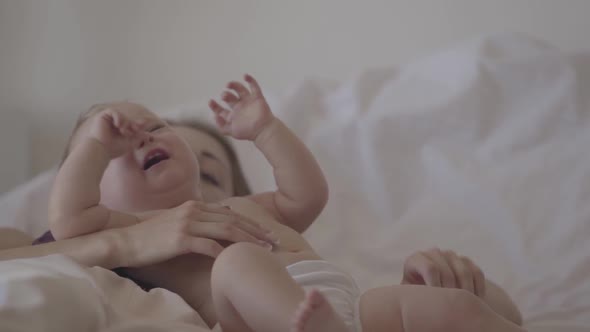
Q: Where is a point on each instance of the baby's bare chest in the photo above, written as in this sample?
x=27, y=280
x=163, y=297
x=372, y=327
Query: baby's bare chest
x=290, y=241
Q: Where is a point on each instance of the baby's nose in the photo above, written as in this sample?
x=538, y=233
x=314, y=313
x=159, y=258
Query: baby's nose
x=147, y=139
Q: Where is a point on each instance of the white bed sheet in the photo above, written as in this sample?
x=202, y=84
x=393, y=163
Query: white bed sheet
x=480, y=149
x=56, y=294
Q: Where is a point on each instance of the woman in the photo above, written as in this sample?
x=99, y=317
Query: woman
x=155, y=241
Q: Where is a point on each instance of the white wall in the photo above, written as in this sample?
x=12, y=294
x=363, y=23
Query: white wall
x=59, y=56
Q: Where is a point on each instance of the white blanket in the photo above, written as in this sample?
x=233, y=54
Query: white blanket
x=55, y=294
x=481, y=149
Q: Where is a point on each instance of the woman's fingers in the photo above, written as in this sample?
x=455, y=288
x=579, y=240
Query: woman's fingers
x=455, y=271
x=203, y=246
x=479, y=279
x=446, y=273
x=216, y=213
x=237, y=222
x=223, y=209
x=462, y=272
x=225, y=232
x=420, y=269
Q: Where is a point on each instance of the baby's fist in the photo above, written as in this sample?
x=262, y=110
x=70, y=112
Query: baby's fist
x=117, y=133
x=248, y=112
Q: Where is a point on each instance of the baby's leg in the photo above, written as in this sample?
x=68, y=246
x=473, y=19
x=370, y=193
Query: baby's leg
x=412, y=308
x=252, y=291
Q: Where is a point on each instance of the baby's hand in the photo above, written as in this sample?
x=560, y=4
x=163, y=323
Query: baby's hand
x=115, y=131
x=248, y=114
x=438, y=268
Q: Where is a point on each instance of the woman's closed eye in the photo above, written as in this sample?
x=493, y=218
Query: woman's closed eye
x=210, y=178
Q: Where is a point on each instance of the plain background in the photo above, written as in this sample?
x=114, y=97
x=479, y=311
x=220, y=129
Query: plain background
x=57, y=57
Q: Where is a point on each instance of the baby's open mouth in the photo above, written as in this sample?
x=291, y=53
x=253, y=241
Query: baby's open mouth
x=154, y=157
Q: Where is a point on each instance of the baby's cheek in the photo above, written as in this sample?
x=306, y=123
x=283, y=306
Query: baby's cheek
x=108, y=180
x=117, y=182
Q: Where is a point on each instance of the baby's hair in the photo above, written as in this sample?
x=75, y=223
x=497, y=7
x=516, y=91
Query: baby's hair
x=240, y=184
x=241, y=187
x=81, y=119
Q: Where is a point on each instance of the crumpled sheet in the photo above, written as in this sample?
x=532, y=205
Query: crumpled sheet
x=483, y=148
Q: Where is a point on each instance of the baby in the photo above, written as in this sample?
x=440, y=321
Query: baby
x=125, y=161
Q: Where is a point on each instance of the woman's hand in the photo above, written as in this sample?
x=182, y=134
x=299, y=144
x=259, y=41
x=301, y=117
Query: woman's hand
x=444, y=268
x=193, y=227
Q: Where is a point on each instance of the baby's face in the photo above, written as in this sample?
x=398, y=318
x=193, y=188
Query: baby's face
x=160, y=174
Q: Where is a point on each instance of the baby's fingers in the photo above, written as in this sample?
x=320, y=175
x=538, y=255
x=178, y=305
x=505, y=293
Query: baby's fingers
x=256, y=90
x=222, y=125
x=230, y=98
x=239, y=88
x=218, y=109
x=120, y=122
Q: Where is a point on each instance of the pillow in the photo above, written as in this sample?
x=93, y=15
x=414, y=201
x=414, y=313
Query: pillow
x=25, y=207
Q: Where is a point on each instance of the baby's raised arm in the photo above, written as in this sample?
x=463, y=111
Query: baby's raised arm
x=302, y=190
x=74, y=205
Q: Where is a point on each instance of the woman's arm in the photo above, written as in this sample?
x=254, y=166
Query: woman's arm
x=97, y=249
x=193, y=227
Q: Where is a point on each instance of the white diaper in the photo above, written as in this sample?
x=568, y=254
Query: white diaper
x=335, y=284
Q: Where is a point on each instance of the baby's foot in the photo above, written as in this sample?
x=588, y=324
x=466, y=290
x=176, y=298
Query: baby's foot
x=316, y=315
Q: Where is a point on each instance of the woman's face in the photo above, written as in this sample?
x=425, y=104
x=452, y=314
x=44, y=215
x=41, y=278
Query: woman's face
x=215, y=167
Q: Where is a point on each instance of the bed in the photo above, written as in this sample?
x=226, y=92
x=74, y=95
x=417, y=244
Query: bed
x=480, y=148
